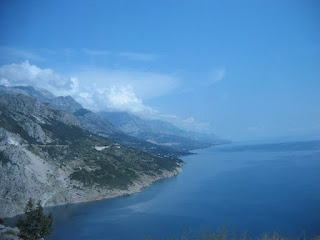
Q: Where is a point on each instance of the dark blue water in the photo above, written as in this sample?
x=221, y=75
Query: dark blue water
x=255, y=188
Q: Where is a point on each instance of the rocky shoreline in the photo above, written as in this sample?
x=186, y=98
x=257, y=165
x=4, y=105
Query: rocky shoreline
x=29, y=176
x=132, y=189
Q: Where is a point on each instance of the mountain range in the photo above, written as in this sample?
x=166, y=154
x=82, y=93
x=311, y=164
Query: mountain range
x=152, y=136
x=54, y=150
x=160, y=132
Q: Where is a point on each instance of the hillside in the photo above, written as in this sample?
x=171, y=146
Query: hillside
x=46, y=154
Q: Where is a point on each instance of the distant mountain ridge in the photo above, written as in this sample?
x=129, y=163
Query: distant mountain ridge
x=67, y=103
x=160, y=132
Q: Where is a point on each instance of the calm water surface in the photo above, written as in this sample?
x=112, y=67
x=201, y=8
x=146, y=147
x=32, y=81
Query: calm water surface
x=258, y=188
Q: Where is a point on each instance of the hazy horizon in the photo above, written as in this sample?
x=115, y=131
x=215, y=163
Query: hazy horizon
x=239, y=69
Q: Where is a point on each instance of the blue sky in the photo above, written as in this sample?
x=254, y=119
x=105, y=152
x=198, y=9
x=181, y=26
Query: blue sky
x=240, y=69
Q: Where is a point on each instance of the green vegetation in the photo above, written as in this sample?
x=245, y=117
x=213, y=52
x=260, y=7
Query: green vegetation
x=3, y=158
x=102, y=177
x=115, y=166
x=36, y=224
x=63, y=133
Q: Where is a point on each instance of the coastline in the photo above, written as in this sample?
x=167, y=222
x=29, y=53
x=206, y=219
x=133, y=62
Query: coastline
x=97, y=194
x=31, y=175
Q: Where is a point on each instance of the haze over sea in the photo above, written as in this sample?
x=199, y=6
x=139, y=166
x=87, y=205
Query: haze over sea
x=254, y=188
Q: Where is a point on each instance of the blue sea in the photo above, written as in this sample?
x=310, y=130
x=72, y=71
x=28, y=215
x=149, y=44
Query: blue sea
x=254, y=188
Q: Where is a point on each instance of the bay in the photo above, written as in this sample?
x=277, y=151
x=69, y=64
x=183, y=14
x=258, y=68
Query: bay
x=254, y=188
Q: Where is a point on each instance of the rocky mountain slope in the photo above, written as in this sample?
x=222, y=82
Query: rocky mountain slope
x=88, y=119
x=47, y=154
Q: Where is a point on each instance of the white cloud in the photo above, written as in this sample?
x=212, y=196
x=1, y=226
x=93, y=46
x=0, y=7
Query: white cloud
x=96, y=89
x=114, y=99
x=138, y=56
x=145, y=85
x=25, y=74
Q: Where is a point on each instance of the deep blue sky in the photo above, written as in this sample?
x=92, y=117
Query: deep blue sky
x=240, y=69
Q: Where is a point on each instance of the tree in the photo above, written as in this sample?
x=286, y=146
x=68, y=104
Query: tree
x=36, y=224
